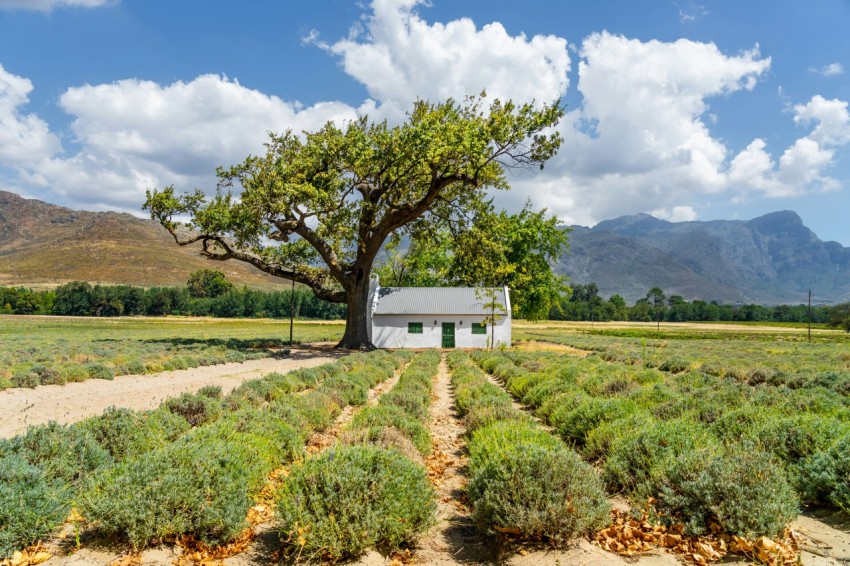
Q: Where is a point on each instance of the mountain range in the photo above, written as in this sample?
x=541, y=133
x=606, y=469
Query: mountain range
x=771, y=259
x=44, y=245
x=768, y=260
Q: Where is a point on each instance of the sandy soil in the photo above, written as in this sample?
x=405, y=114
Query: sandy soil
x=21, y=407
x=454, y=540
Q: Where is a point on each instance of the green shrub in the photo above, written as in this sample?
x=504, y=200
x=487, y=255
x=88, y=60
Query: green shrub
x=825, y=475
x=318, y=409
x=99, y=371
x=25, y=379
x=539, y=492
x=743, y=489
x=346, y=389
x=352, y=498
x=210, y=391
x=31, y=507
x=123, y=432
x=575, y=423
x=196, y=409
x=134, y=367
x=411, y=402
x=199, y=486
x=60, y=452
x=488, y=410
x=634, y=460
x=489, y=442
x=391, y=416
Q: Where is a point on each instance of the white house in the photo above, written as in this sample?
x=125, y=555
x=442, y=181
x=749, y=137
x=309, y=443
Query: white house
x=438, y=317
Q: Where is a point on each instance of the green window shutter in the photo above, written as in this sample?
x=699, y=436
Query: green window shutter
x=479, y=328
x=414, y=328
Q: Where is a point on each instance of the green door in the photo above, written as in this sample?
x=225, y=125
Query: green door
x=448, y=335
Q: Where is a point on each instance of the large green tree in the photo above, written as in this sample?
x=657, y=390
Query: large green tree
x=331, y=198
x=494, y=250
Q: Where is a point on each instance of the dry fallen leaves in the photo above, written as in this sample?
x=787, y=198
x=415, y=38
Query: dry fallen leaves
x=629, y=536
x=30, y=557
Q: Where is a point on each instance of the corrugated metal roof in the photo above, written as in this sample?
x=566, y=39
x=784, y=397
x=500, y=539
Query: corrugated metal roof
x=434, y=300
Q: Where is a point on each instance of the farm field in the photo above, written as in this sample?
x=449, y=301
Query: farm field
x=50, y=350
x=446, y=458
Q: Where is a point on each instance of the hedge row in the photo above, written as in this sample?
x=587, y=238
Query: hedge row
x=369, y=493
x=523, y=480
x=709, y=452
x=189, y=466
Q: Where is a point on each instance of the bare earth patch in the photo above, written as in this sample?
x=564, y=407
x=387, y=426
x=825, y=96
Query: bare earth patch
x=20, y=408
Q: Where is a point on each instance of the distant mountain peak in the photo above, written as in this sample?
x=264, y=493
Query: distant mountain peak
x=632, y=224
x=771, y=259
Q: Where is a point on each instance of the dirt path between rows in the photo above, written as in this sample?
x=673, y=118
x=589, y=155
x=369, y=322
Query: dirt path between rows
x=455, y=539
x=20, y=408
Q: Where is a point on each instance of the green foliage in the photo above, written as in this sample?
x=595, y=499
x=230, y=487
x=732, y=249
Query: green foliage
x=742, y=489
x=123, y=432
x=60, y=452
x=184, y=487
x=31, y=507
x=539, y=491
x=825, y=475
x=395, y=417
x=205, y=283
x=195, y=408
x=352, y=498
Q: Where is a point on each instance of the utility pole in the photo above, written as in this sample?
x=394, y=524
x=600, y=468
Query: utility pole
x=810, y=315
x=291, y=311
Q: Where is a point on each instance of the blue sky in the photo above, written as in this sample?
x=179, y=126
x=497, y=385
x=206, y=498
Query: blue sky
x=681, y=109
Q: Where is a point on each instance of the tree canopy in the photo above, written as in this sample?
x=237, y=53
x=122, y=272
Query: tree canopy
x=316, y=208
x=497, y=249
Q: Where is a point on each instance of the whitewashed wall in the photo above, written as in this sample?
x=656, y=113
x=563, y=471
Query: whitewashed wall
x=390, y=331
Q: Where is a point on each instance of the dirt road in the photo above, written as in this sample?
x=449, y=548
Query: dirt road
x=20, y=408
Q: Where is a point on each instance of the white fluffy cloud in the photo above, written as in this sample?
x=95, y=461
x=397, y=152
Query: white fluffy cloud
x=831, y=70
x=639, y=141
x=136, y=135
x=47, y=5
x=400, y=57
x=802, y=166
x=24, y=138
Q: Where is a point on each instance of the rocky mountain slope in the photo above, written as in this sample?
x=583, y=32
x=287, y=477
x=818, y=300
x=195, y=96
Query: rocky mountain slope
x=770, y=259
x=43, y=245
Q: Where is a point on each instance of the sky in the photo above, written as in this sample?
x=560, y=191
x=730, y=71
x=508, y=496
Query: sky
x=684, y=110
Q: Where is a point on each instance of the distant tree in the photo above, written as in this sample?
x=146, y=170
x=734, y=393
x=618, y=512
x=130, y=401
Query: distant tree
x=331, y=198
x=207, y=283
x=655, y=297
x=839, y=317
x=73, y=299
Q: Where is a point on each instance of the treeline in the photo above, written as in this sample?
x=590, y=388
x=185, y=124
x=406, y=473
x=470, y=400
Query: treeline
x=585, y=303
x=83, y=299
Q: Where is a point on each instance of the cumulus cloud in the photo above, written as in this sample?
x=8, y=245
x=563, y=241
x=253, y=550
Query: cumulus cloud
x=24, y=138
x=48, y=5
x=831, y=70
x=400, y=57
x=802, y=166
x=639, y=141
x=138, y=134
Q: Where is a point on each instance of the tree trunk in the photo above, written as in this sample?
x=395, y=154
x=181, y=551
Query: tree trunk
x=356, y=336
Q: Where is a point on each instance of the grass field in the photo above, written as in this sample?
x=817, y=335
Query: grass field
x=36, y=350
